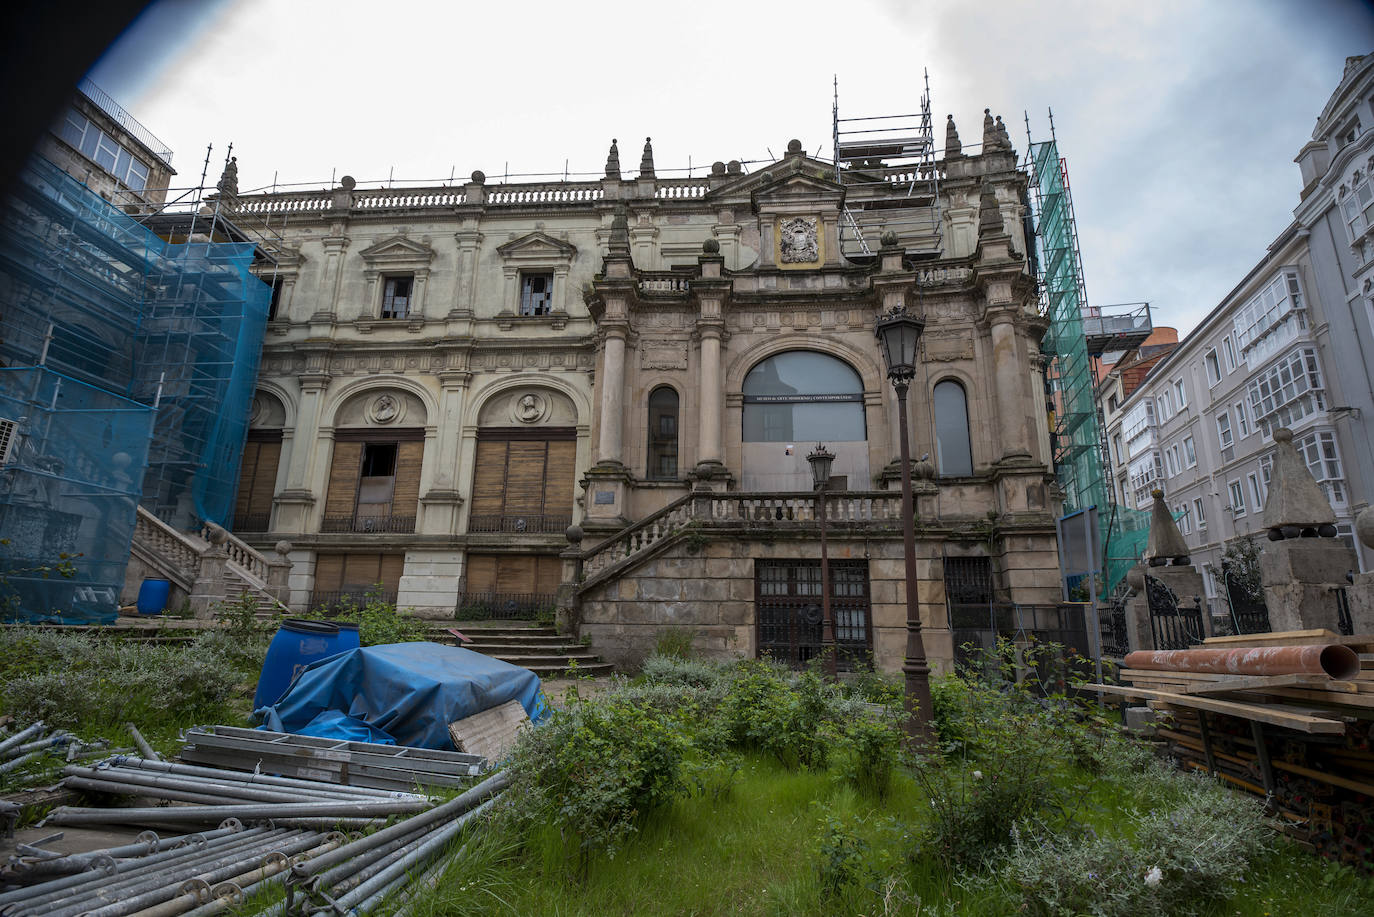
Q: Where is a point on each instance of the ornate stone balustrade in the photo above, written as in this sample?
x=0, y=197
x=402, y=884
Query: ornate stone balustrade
x=406, y=199
x=680, y=188
x=548, y=193
x=663, y=282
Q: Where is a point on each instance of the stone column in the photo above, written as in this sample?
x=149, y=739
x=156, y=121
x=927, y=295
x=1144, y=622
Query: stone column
x=708, y=429
x=208, y=589
x=1007, y=363
x=279, y=572
x=442, y=500
x=296, y=499
x=609, y=447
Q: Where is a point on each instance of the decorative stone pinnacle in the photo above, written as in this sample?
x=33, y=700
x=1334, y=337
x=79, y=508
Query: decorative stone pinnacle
x=711, y=247
x=1166, y=541
x=620, y=234
x=229, y=179
x=954, y=148
x=646, y=162
x=1003, y=138
x=1296, y=504
x=794, y=147
x=989, y=131
x=989, y=214
x=613, y=161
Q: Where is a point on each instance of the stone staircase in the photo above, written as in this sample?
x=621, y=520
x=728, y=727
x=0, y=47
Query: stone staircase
x=542, y=650
x=210, y=565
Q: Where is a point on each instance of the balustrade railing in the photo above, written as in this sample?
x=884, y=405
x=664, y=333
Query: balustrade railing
x=520, y=525
x=167, y=542
x=504, y=606
x=241, y=554
x=550, y=193
x=663, y=282
x=387, y=199
x=366, y=525
x=844, y=508
x=672, y=189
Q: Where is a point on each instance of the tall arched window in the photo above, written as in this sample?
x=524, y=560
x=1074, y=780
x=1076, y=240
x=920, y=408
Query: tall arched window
x=803, y=396
x=662, y=463
x=953, y=453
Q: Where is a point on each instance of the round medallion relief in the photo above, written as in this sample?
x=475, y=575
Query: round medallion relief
x=385, y=408
x=529, y=407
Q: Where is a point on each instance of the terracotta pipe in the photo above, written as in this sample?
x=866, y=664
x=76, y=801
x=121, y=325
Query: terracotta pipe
x=1340, y=662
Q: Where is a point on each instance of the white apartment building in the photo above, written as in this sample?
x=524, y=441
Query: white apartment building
x=1290, y=346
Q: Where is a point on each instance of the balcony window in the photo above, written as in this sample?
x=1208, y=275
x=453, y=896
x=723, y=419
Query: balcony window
x=536, y=293
x=662, y=454
x=1273, y=317
x=396, y=296
x=1287, y=392
x=374, y=482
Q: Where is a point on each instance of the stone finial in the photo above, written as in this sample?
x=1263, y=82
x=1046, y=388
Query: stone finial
x=733, y=167
x=1003, y=138
x=478, y=177
x=889, y=239
x=574, y=535
x=613, y=161
x=717, y=168
x=646, y=162
x=283, y=548
x=620, y=234
x=1296, y=504
x=215, y=534
x=1166, y=541
x=989, y=131
x=229, y=179
x=989, y=214
x=794, y=148
x=954, y=149
x=710, y=247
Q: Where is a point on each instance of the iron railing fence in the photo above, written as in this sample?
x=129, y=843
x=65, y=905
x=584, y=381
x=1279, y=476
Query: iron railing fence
x=503, y=606
x=367, y=525
x=555, y=524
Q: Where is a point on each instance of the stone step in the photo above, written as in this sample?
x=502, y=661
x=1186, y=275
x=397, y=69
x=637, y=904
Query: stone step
x=524, y=649
x=482, y=630
x=527, y=661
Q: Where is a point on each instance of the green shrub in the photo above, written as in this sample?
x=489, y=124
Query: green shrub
x=678, y=670
x=597, y=770
x=675, y=642
x=1176, y=860
x=870, y=749
x=874, y=687
x=379, y=622
x=765, y=710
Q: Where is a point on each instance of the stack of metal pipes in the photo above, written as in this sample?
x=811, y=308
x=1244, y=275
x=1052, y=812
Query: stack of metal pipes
x=389, y=865
x=27, y=746
x=199, y=873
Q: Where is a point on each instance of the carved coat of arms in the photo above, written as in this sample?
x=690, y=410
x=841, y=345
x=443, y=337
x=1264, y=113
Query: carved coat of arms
x=797, y=242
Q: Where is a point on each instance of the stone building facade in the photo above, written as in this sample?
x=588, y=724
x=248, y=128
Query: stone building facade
x=455, y=376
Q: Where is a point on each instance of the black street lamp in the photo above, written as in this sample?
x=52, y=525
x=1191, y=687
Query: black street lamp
x=897, y=332
x=821, y=460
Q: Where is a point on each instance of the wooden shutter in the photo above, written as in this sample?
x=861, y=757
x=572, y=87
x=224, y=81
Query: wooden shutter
x=343, y=479
x=405, y=500
x=548, y=574
x=329, y=569
x=489, y=481
x=392, y=566
x=515, y=574
x=525, y=478
x=559, y=477
x=257, y=478
x=248, y=468
x=481, y=573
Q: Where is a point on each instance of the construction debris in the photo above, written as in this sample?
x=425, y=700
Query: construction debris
x=1301, y=739
x=491, y=733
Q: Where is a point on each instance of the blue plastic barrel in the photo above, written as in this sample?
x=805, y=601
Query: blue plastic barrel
x=296, y=644
x=152, y=596
x=348, y=635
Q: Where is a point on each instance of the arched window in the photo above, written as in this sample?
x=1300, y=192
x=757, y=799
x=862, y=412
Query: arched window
x=803, y=396
x=662, y=463
x=953, y=452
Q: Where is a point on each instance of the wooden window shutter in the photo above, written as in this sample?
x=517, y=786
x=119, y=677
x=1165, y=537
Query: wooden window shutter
x=525, y=478
x=481, y=573
x=560, y=477
x=405, y=500
x=329, y=570
x=248, y=468
x=515, y=573
x=264, y=483
x=548, y=574
x=393, y=565
x=343, y=479
x=361, y=571
x=489, y=481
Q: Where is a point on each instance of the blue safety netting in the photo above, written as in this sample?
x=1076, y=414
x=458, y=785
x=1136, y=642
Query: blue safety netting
x=406, y=692
x=173, y=330
x=68, y=495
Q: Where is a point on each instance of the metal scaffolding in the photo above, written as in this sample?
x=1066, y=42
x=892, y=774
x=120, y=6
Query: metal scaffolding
x=887, y=165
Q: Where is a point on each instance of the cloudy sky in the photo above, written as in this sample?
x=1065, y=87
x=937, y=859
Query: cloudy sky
x=1179, y=118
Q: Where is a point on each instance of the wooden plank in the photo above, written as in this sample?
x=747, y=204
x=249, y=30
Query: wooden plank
x=1273, y=715
x=560, y=477
x=481, y=573
x=525, y=478
x=1314, y=637
x=329, y=572
x=1262, y=682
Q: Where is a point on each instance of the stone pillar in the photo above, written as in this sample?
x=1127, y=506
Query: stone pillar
x=1362, y=590
x=1007, y=369
x=708, y=436
x=208, y=589
x=612, y=398
x=711, y=288
x=279, y=572
x=568, y=612
x=296, y=500
x=442, y=500
x=1304, y=564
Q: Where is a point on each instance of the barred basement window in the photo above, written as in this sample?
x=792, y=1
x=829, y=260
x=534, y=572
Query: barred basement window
x=536, y=293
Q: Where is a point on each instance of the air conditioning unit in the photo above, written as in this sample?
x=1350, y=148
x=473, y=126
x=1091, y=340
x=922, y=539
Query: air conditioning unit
x=9, y=439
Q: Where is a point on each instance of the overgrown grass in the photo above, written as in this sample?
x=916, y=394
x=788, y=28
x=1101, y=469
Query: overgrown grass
x=795, y=833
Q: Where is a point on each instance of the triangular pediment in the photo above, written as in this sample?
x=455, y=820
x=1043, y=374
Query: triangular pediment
x=537, y=245
x=398, y=249
x=792, y=176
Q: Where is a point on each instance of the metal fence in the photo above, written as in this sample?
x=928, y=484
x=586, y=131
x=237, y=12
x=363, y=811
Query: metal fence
x=1173, y=625
x=503, y=606
x=977, y=628
x=520, y=525
x=368, y=524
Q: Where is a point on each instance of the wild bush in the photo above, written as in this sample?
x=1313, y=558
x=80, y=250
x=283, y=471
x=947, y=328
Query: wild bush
x=676, y=670
x=767, y=709
x=379, y=621
x=676, y=643
x=597, y=770
x=1175, y=860
x=869, y=751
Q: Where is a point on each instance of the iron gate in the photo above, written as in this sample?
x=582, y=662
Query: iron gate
x=1173, y=626
x=787, y=608
x=1248, y=616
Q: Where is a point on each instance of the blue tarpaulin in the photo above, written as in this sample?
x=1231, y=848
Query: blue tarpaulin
x=405, y=692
